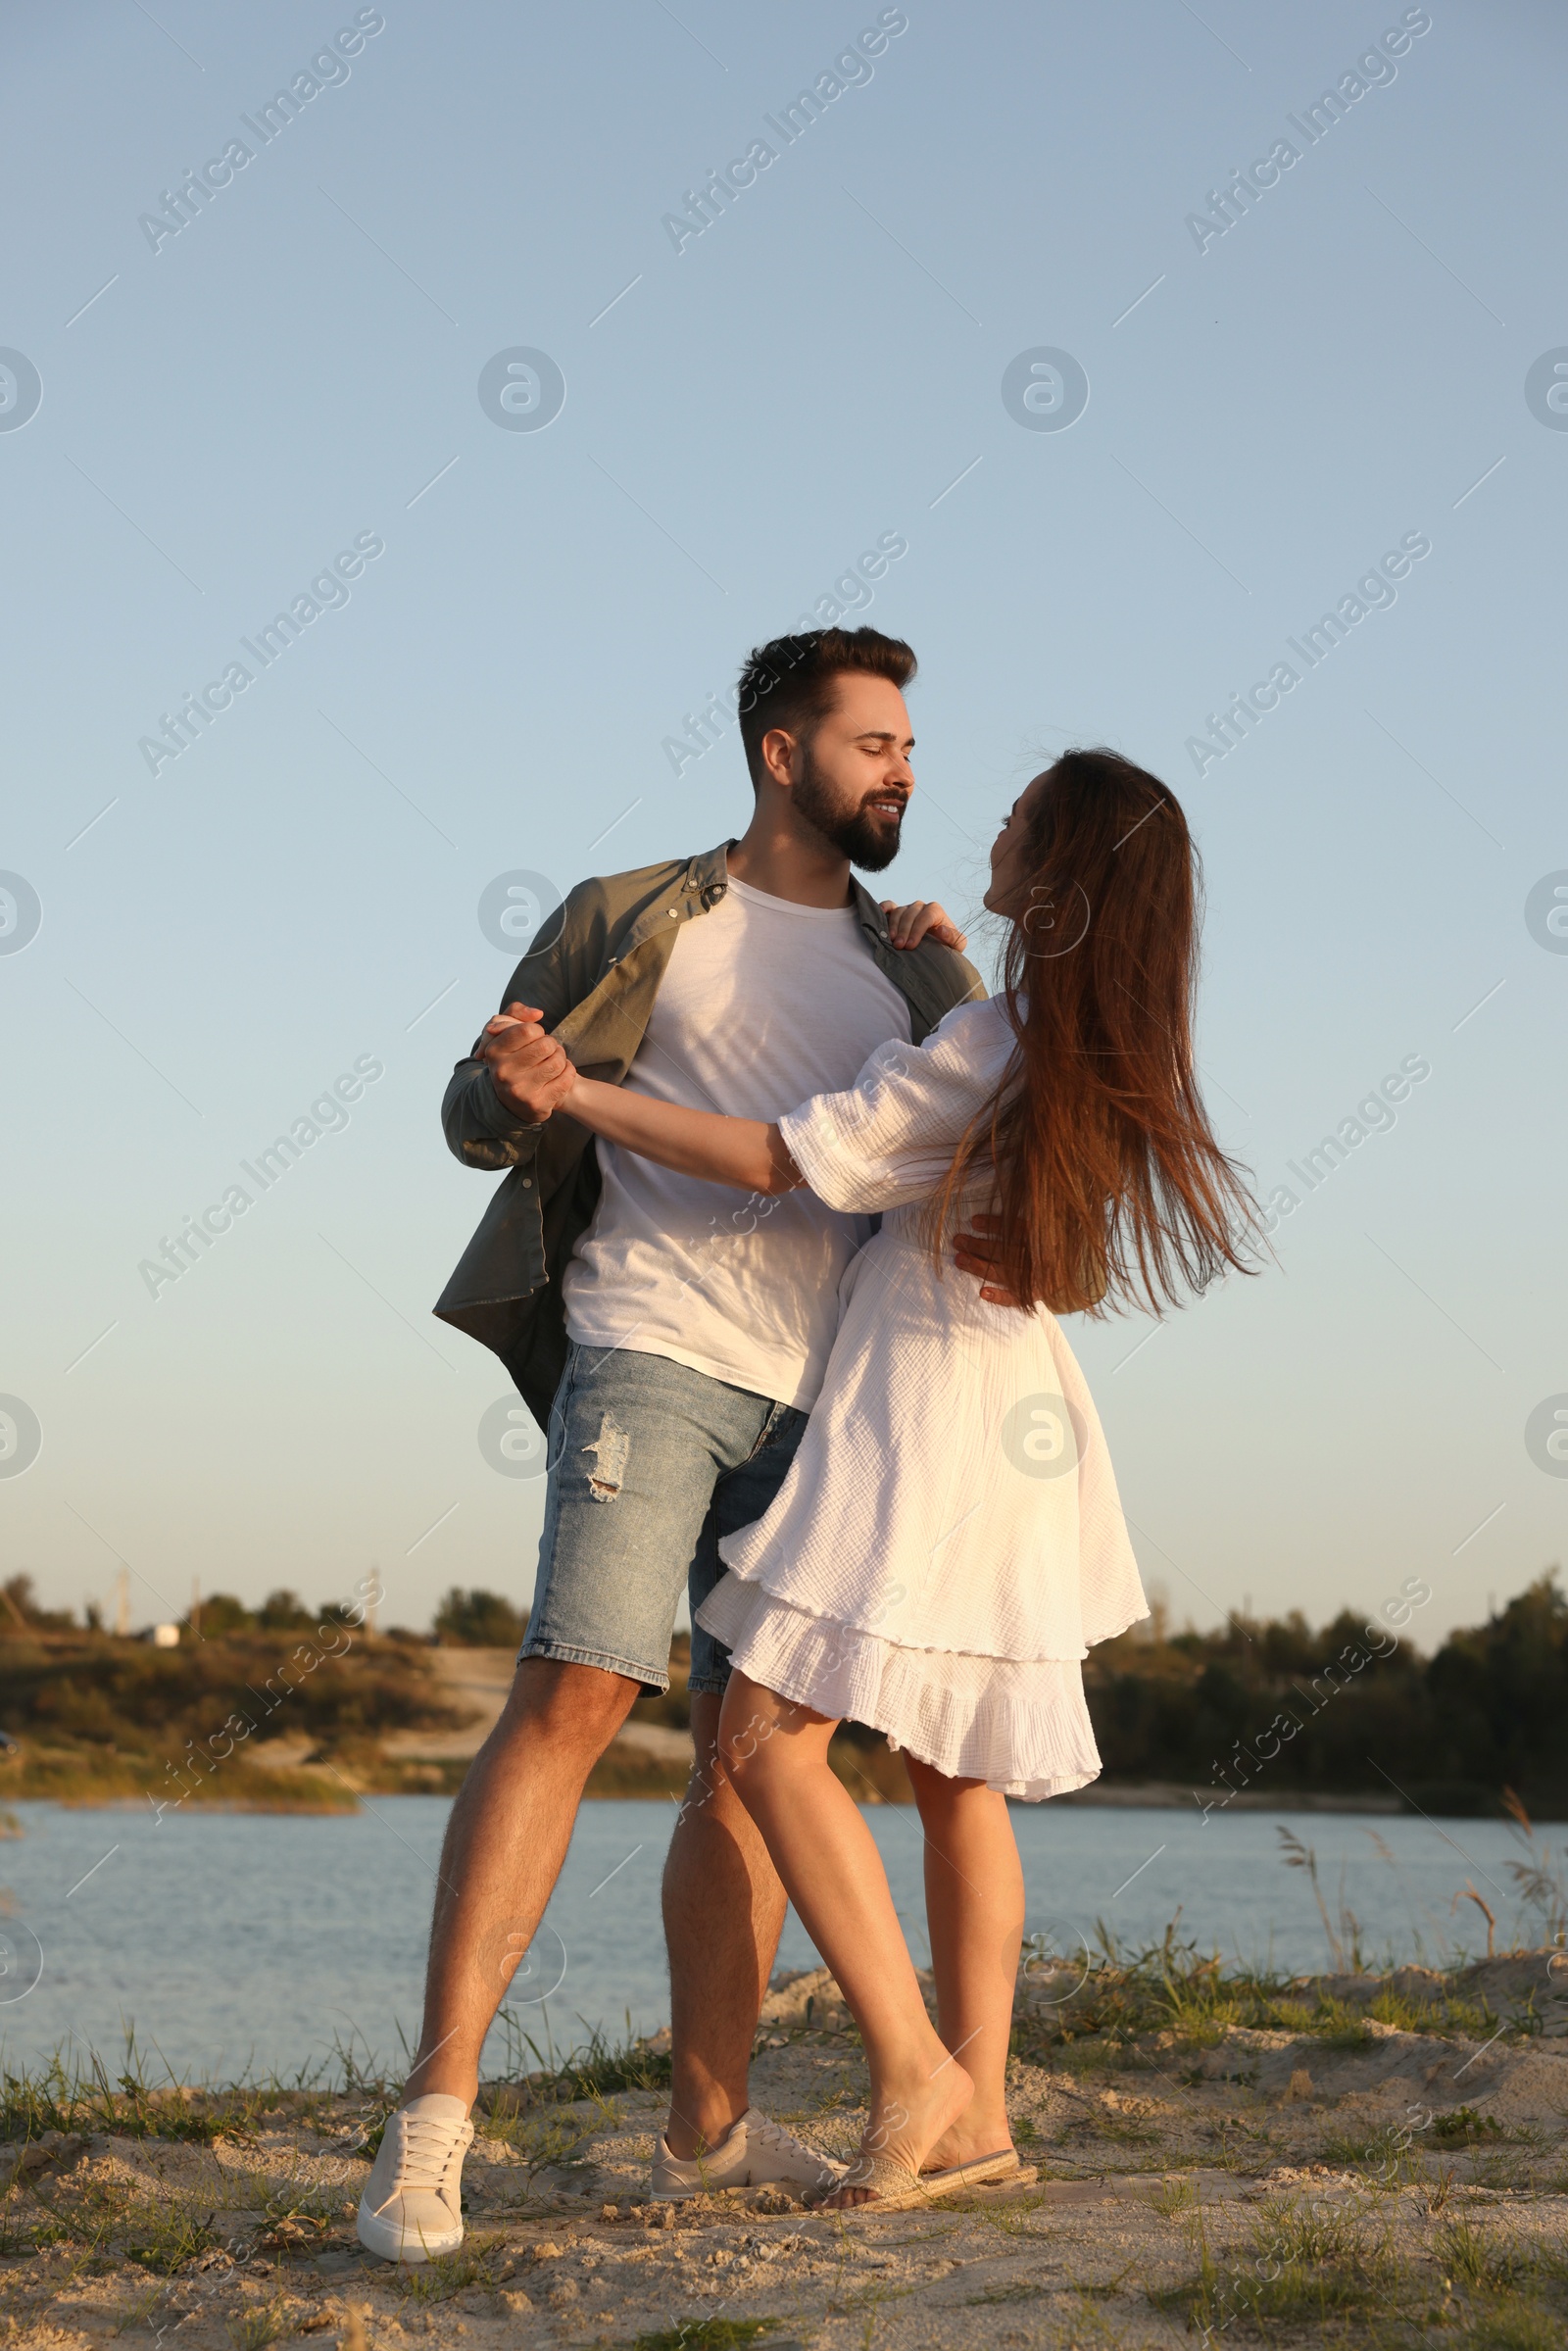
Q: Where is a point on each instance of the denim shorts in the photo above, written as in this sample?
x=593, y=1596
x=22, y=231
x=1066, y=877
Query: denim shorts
x=651, y=1463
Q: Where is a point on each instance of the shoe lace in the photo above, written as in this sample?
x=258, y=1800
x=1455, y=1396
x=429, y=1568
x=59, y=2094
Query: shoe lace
x=429, y=2149
x=774, y=2135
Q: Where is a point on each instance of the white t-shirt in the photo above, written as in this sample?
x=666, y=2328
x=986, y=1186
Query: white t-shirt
x=764, y=1005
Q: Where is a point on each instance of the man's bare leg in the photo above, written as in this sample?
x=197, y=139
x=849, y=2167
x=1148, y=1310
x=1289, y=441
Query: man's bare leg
x=503, y=1846
x=723, y=1915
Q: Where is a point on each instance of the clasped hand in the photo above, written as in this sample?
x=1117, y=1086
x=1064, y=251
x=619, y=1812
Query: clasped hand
x=533, y=1078
x=529, y=1070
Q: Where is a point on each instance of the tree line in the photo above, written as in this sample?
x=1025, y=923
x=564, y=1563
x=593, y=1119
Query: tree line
x=1448, y=1732
x=1262, y=1707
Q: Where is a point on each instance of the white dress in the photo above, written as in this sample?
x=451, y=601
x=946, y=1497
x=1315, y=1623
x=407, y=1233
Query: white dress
x=949, y=1542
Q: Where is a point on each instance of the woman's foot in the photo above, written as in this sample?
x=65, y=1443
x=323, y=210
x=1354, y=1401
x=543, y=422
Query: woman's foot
x=970, y=2139
x=910, y=2119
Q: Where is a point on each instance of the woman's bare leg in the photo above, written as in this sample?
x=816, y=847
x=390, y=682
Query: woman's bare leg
x=775, y=1752
x=974, y=1912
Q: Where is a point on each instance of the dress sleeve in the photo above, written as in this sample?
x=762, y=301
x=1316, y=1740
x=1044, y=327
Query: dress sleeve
x=889, y=1139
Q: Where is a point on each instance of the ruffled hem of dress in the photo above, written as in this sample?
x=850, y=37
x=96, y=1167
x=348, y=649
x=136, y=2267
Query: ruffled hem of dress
x=1021, y=1725
x=749, y=1555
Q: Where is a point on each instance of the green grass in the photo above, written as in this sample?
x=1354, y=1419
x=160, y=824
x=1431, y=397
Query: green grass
x=1025, y=2289
x=255, y=2329
x=1120, y=2132
x=299, y=2216
x=1507, y=2170
x=1172, y=1987
x=1514, y=2325
x=1220, y=2298
x=603, y=2067
x=74, y=2097
x=1303, y=2267
x=480, y=2261
x=99, y=1720
x=1078, y=2054
x=590, y=2075
x=1515, y=2292
x=1448, y=2017
x=1464, y=2127
x=1358, y=2147
x=1470, y=2254
x=596, y=2069
x=1352, y=2033
x=1311, y=2234
x=86, y=1776
x=19, y=2237
x=707, y=2334
x=1487, y=2260
x=1388, y=2156
x=164, y=2237
x=551, y=2143
x=71, y=2100
x=1327, y=2270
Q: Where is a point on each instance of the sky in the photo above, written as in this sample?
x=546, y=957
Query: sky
x=988, y=305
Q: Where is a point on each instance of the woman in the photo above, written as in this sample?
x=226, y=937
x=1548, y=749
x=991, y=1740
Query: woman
x=949, y=1542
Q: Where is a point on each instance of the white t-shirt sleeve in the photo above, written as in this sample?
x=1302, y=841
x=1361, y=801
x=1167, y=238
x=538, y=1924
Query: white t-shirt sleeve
x=889, y=1139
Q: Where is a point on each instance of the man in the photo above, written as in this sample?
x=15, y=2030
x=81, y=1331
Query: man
x=672, y=1343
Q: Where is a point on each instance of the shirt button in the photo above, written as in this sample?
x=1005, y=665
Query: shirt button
x=675, y=913
x=527, y=1183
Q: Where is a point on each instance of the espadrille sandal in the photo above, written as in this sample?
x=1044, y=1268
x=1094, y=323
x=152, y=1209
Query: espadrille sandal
x=896, y=2188
x=893, y=2186
x=979, y=2172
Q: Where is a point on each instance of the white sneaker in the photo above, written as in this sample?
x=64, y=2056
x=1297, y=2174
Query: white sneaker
x=412, y=2206
x=752, y=2153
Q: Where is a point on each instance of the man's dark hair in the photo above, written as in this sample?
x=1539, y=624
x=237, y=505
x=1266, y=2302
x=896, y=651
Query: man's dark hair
x=789, y=681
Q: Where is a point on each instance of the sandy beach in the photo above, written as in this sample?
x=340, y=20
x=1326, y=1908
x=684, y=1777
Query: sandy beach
x=1324, y=2159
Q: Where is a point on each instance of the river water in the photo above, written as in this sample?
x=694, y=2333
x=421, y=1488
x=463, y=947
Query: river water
x=263, y=1944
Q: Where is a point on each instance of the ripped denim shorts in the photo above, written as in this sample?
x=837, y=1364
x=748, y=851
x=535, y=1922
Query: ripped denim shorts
x=651, y=1465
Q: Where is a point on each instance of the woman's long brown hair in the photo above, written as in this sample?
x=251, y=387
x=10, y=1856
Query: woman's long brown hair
x=1110, y=1187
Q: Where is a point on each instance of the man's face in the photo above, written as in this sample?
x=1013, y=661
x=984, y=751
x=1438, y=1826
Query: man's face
x=852, y=780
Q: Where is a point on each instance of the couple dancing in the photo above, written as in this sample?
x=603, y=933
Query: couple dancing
x=771, y=1063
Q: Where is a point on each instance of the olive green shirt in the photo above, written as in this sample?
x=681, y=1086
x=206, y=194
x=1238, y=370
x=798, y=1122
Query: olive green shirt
x=594, y=970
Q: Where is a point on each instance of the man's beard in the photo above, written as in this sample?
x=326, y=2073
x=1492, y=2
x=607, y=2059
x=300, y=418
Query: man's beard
x=864, y=835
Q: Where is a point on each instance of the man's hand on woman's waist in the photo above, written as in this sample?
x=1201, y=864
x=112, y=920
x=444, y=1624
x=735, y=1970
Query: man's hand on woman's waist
x=978, y=1250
